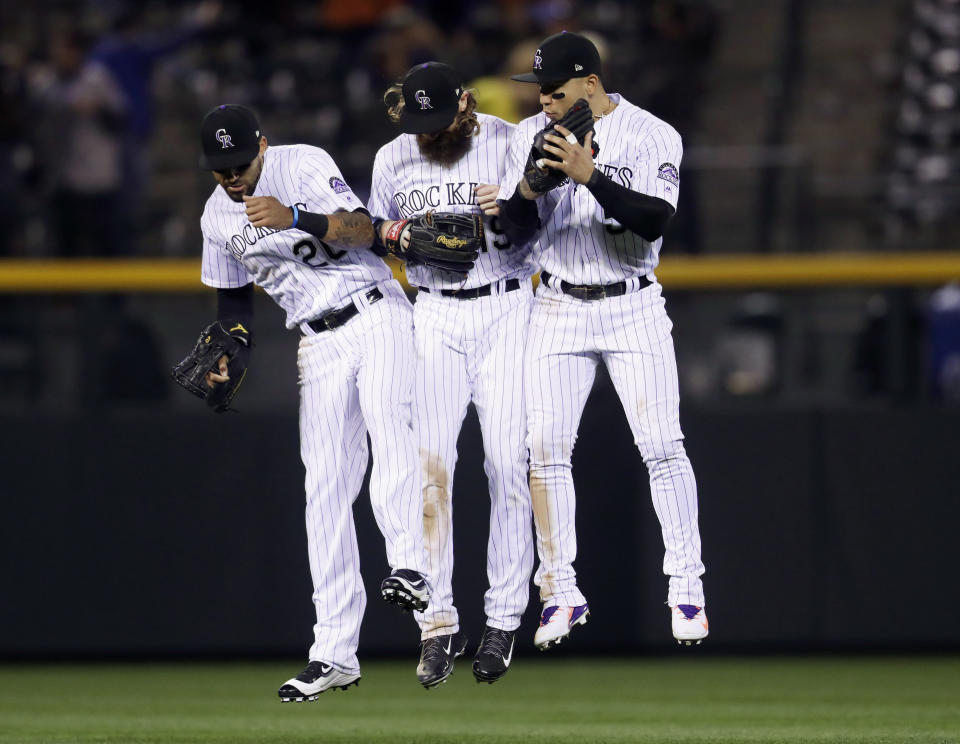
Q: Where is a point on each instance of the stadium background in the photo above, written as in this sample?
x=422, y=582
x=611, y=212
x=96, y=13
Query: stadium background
x=811, y=274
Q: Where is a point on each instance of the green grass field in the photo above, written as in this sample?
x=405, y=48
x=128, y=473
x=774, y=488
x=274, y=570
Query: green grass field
x=542, y=699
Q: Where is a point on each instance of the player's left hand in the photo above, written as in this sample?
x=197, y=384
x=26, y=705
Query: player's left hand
x=212, y=378
x=574, y=159
x=487, y=198
x=267, y=211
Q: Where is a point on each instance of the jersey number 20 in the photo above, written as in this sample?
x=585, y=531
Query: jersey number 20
x=306, y=249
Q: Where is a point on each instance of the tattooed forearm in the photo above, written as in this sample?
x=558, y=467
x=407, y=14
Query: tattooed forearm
x=349, y=230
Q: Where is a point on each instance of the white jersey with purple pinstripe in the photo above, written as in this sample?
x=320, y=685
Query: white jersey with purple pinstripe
x=404, y=184
x=468, y=350
x=630, y=334
x=302, y=274
x=578, y=242
x=355, y=380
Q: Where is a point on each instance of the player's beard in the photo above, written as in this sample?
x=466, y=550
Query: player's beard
x=447, y=146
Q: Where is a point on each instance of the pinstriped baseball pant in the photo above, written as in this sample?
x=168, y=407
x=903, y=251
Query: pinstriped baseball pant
x=472, y=350
x=358, y=380
x=630, y=334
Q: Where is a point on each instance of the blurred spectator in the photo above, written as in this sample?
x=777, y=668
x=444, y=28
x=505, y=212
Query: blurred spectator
x=405, y=38
x=943, y=318
x=678, y=41
x=497, y=95
x=352, y=14
x=679, y=37
x=83, y=121
x=130, y=52
x=15, y=155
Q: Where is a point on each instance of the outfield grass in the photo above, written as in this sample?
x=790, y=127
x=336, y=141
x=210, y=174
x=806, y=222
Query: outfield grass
x=550, y=699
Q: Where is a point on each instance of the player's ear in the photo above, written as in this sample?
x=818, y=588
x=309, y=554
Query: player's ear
x=591, y=84
x=263, y=145
x=464, y=101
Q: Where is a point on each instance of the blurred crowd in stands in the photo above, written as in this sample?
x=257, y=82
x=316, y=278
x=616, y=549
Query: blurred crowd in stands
x=924, y=183
x=100, y=101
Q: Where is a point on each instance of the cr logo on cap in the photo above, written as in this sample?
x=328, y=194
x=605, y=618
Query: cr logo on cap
x=424, y=99
x=537, y=60
x=224, y=139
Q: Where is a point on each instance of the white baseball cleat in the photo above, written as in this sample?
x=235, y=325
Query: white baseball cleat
x=557, y=622
x=689, y=624
x=318, y=677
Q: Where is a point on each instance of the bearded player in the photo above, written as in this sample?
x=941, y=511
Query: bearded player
x=470, y=329
x=596, y=180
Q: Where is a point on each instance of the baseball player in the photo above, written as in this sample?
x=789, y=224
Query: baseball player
x=470, y=329
x=284, y=219
x=598, y=200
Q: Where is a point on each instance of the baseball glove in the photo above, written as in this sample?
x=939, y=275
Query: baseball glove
x=578, y=121
x=449, y=241
x=219, y=338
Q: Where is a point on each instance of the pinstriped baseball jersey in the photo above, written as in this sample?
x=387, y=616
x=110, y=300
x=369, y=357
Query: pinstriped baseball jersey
x=404, y=184
x=305, y=276
x=578, y=242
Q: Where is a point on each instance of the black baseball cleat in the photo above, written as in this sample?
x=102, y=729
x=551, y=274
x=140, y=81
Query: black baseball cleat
x=437, y=656
x=317, y=678
x=494, y=655
x=407, y=589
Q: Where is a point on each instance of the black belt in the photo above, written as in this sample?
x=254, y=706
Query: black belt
x=594, y=291
x=336, y=318
x=472, y=294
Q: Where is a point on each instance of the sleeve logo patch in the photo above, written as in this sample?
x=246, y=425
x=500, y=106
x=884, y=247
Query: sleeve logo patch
x=338, y=186
x=668, y=172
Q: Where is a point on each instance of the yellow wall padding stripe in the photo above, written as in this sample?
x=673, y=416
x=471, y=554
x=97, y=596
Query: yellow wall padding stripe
x=739, y=271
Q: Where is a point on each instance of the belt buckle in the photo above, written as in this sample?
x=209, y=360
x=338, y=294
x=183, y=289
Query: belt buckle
x=586, y=292
x=330, y=320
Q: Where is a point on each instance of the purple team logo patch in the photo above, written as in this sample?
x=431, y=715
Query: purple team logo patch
x=668, y=172
x=338, y=185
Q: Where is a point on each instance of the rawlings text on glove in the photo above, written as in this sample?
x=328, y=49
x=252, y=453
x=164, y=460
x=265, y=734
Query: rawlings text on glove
x=449, y=241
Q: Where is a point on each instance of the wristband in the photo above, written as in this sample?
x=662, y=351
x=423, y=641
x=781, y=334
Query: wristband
x=315, y=224
x=296, y=216
x=392, y=239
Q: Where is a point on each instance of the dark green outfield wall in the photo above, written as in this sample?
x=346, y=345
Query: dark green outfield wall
x=152, y=533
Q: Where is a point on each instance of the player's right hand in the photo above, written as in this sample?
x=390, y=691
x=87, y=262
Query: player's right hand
x=572, y=158
x=487, y=198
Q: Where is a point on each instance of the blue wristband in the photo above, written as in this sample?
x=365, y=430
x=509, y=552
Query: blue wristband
x=296, y=216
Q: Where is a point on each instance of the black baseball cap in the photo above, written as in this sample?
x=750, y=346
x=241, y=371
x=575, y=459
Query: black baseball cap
x=229, y=137
x=431, y=98
x=561, y=57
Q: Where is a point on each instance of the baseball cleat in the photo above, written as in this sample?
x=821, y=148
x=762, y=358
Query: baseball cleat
x=556, y=624
x=437, y=656
x=316, y=679
x=494, y=655
x=407, y=589
x=689, y=624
